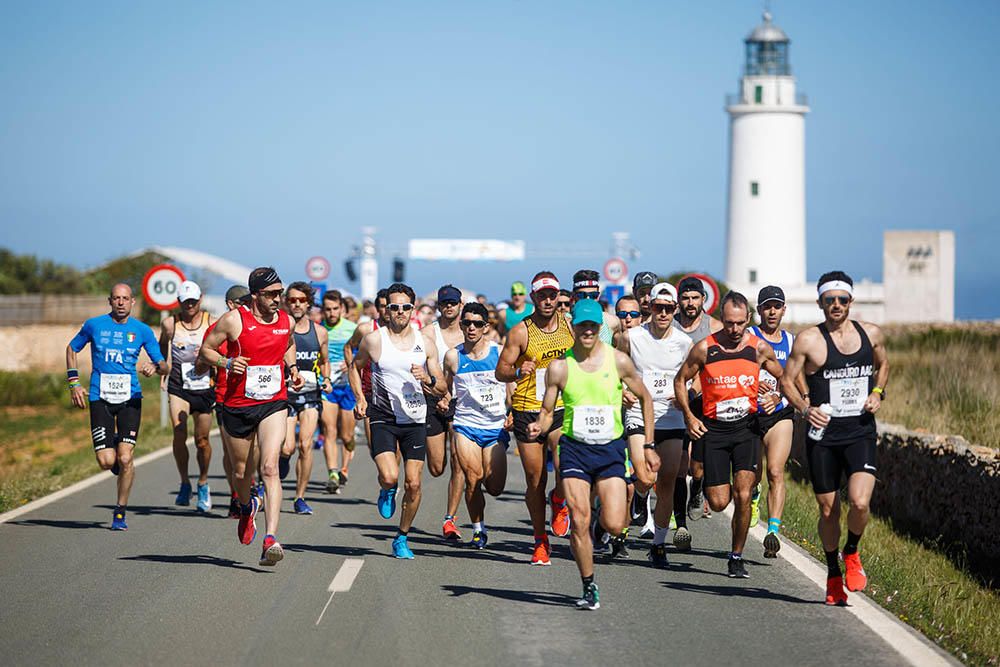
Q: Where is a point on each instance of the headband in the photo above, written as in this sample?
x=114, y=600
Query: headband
x=257, y=283
x=544, y=283
x=585, y=283
x=836, y=284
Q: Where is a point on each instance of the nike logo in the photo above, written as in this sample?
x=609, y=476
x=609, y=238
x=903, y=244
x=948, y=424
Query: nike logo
x=869, y=467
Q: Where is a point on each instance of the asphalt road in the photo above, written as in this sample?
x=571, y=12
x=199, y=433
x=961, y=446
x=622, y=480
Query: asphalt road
x=178, y=588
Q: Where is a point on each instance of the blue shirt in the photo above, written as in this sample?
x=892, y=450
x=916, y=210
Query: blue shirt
x=114, y=350
x=781, y=352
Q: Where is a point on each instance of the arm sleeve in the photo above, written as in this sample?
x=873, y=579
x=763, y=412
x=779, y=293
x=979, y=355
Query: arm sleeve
x=81, y=338
x=152, y=345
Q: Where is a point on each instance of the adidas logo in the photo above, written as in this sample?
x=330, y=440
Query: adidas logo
x=418, y=349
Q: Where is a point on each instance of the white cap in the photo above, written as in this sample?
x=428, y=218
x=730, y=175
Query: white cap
x=189, y=290
x=663, y=291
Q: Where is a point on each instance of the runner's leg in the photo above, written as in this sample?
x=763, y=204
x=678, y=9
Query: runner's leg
x=202, y=427
x=778, y=443
x=578, y=499
x=859, y=492
x=331, y=451
x=494, y=469
x=411, y=497
x=470, y=457
x=126, y=472
x=345, y=432
x=535, y=477
x=270, y=436
x=308, y=419
x=743, y=483
x=456, y=482
x=179, y=412
x=388, y=470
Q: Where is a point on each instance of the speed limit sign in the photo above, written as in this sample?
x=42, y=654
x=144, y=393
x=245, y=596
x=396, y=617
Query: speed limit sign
x=160, y=286
x=318, y=268
x=615, y=270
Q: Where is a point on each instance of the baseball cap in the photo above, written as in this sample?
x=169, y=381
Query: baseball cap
x=664, y=291
x=770, y=293
x=644, y=279
x=691, y=284
x=237, y=293
x=189, y=290
x=588, y=310
x=449, y=293
x=517, y=287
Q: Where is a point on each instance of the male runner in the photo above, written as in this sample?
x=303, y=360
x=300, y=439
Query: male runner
x=586, y=285
x=519, y=308
x=591, y=449
x=338, y=403
x=446, y=334
x=564, y=303
x=351, y=346
x=189, y=392
x=629, y=315
x=260, y=336
x=728, y=364
x=529, y=349
x=658, y=350
x=846, y=368
x=480, y=415
x=304, y=405
x=115, y=394
x=404, y=364
x=642, y=285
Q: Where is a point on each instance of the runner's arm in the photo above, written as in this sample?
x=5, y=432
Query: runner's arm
x=354, y=341
x=77, y=393
x=555, y=380
x=631, y=378
x=881, y=359
x=166, y=333
x=435, y=381
x=768, y=361
x=360, y=360
x=689, y=369
x=291, y=365
x=323, y=338
x=791, y=388
x=229, y=328
x=513, y=347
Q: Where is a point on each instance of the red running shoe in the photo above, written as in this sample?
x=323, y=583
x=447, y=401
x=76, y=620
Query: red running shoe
x=835, y=595
x=246, y=529
x=272, y=552
x=540, y=556
x=449, y=530
x=560, y=516
x=855, y=575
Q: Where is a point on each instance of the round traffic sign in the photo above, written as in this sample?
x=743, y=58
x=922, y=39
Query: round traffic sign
x=615, y=270
x=712, y=295
x=160, y=286
x=317, y=268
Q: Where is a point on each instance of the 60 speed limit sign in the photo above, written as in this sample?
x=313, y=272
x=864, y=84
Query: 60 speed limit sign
x=160, y=286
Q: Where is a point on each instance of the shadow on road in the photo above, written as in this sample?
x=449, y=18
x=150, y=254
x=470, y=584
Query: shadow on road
x=195, y=559
x=737, y=591
x=171, y=510
x=332, y=550
x=61, y=523
x=533, y=597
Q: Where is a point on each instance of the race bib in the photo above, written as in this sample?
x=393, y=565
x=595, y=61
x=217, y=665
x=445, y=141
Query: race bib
x=732, y=409
x=540, y=384
x=847, y=396
x=310, y=383
x=411, y=406
x=116, y=387
x=766, y=383
x=263, y=382
x=594, y=424
x=488, y=394
x=191, y=381
x=659, y=384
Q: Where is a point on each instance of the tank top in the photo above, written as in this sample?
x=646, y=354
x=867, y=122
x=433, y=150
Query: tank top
x=184, y=347
x=781, y=349
x=439, y=341
x=658, y=360
x=307, y=361
x=729, y=381
x=542, y=349
x=700, y=332
x=479, y=396
x=593, y=401
x=220, y=373
x=336, y=337
x=265, y=346
x=845, y=382
x=397, y=397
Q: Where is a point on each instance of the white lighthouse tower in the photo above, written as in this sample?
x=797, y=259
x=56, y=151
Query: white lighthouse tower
x=766, y=226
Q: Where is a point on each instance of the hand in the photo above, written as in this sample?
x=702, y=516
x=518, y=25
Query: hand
x=817, y=418
x=443, y=404
x=873, y=402
x=533, y=430
x=147, y=369
x=361, y=408
x=695, y=427
x=528, y=367
x=508, y=422
x=327, y=386
x=628, y=398
x=652, y=460
x=297, y=381
x=78, y=395
x=768, y=402
x=420, y=373
x=239, y=365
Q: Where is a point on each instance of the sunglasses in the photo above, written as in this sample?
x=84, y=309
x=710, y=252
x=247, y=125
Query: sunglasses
x=842, y=300
x=625, y=314
x=478, y=324
x=447, y=304
x=400, y=307
x=564, y=304
x=664, y=307
x=297, y=299
x=271, y=293
x=588, y=295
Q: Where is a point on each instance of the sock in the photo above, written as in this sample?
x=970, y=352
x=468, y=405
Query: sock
x=851, y=546
x=557, y=499
x=269, y=536
x=736, y=556
x=587, y=581
x=680, y=502
x=541, y=538
x=449, y=517
x=401, y=533
x=774, y=526
x=120, y=508
x=659, y=534
x=477, y=527
x=695, y=486
x=832, y=564
x=756, y=493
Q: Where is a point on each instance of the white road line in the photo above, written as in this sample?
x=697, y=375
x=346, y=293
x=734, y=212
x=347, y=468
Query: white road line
x=342, y=581
x=86, y=483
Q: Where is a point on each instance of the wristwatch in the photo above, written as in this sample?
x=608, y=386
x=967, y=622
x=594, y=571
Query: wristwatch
x=649, y=445
x=433, y=381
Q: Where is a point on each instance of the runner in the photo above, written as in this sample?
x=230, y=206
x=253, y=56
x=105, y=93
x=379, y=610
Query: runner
x=304, y=405
x=351, y=346
x=480, y=415
x=642, y=285
x=846, y=369
x=115, y=394
x=527, y=352
x=564, y=303
x=445, y=333
x=256, y=397
x=727, y=364
x=658, y=350
x=629, y=315
x=404, y=365
x=190, y=393
x=586, y=285
x=337, y=412
x=519, y=308
x=591, y=449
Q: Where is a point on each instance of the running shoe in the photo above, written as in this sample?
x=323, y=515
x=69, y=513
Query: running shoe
x=479, y=540
x=204, y=498
x=118, y=519
x=184, y=495
x=246, y=530
x=598, y=533
x=854, y=575
x=658, y=556
x=449, y=530
x=261, y=493
x=115, y=468
x=540, y=556
x=387, y=503
x=682, y=539
x=234, y=507
x=771, y=545
x=301, y=507
x=640, y=509
x=835, y=594
x=271, y=553
x=694, y=506
x=343, y=478
x=591, y=599
x=333, y=482
x=400, y=549
x=318, y=442
x=755, y=506
x=706, y=511
x=560, y=516
x=619, y=548
x=737, y=569
x=284, y=466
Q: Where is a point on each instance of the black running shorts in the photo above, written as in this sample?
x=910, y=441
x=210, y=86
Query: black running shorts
x=522, y=419
x=829, y=463
x=438, y=423
x=411, y=439
x=728, y=450
x=765, y=422
x=112, y=424
x=242, y=421
x=198, y=401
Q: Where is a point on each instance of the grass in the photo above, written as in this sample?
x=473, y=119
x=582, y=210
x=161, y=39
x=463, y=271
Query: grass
x=911, y=579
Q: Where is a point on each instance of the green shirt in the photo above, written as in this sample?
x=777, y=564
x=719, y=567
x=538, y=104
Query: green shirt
x=593, y=401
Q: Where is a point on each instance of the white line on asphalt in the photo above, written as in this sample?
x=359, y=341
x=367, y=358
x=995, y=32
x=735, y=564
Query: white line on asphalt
x=915, y=649
x=342, y=581
x=86, y=483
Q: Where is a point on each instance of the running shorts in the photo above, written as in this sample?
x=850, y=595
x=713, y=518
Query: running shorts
x=484, y=437
x=591, y=462
x=242, y=421
x=697, y=446
x=112, y=424
x=199, y=402
x=522, y=419
x=341, y=395
x=411, y=439
x=828, y=463
x=659, y=434
x=438, y=423
x=729, y=449
x=765, y=422
x=298, y=403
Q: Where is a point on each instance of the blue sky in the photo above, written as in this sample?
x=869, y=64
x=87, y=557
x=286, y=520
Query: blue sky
x=270, y=133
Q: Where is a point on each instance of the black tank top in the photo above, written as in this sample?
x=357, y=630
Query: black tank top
x=845, y=382
x=307, y=359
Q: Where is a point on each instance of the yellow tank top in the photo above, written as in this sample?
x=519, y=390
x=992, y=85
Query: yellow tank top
x=542, y=349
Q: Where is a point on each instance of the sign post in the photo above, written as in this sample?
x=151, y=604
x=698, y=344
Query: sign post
x=160, y=287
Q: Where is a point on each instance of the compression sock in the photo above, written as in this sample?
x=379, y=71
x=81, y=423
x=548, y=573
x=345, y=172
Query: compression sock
x=695, y=486
x=401, y=532
x=587, y=581
x=851, y=546
x=736, y=556
x=832, y=564
x=774, y=526
x=680, y=502
x=659, y=534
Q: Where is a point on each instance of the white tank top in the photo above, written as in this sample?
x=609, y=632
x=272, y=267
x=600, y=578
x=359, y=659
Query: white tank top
x=442, y=346
x=480, y=399
x=397, y=396
x=658, y=361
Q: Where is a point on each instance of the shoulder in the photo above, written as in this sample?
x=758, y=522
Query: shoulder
x=714, y=324
x=873, y=330
x=622, y=360
x=681, y=337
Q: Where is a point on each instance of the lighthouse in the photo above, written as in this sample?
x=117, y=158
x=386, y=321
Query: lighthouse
x=766, y=217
